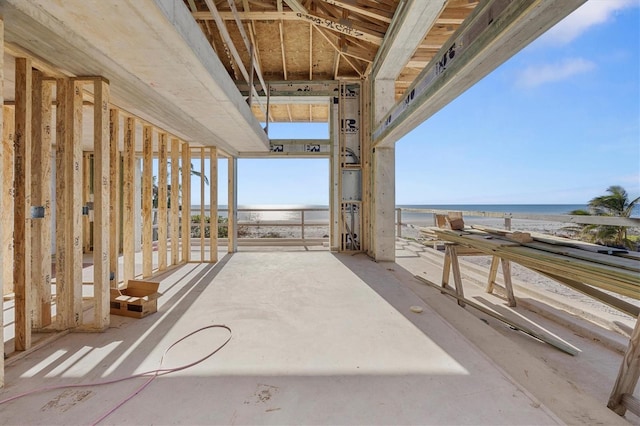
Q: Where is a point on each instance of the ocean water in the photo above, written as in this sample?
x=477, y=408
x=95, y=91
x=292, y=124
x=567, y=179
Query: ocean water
x=288, y=213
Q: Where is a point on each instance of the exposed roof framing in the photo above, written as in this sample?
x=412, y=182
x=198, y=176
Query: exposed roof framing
x=295, y=40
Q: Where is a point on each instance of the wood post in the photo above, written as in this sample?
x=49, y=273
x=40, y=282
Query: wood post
x=175, y=201
x=101, y=190
x=213, y=209
x=186, y=203
x=68, y=204
x=232, y=230
x=128, y=201
x=147, y=201
x=86, y=201
x=22, y=205
x=114, y=196
x=202, y=221
x=4, y=226
x=628, y=375
x=7, y=200
x=41, y=197
x=162, y=202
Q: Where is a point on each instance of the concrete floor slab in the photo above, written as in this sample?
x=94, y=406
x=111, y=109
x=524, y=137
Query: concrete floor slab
x=318, y=338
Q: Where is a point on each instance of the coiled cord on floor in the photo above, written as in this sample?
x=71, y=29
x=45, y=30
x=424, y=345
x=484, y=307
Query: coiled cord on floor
x=151, y=375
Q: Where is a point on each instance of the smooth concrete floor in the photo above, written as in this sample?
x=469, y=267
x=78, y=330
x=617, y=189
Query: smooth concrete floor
x=318, y=338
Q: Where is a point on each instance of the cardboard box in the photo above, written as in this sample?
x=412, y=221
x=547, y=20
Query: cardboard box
x=137, y=300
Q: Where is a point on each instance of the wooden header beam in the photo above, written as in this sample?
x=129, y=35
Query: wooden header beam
x=497, y=30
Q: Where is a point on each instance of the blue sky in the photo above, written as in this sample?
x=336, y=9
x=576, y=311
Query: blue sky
x=558, y=123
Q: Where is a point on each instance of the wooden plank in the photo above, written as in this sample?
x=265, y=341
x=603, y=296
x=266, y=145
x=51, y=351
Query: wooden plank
x=553, y=341
x=114, y=196
x=68, y=204
x=175, y=201
x=457, y=277
x=41, y=197
x=595, y=248
x=202, y=221
x=213, y=204
x=603, y=276
x=75, y=118
x=186, y=203
x=162, y=201
x=64, y=291
x=22, y=205
x=5, y=227
x=232, y=226
x=86, y=201
x=631, y=403
x=603, y=297
x=7, y=203
x=604, y=259
x=628, y=374
x=493, y=273
x=506, y=275
x=147, y=201
x=520, y=237
x=101, y=210
x=128, y=201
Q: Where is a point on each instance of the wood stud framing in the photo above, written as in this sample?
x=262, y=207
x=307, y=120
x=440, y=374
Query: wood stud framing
x=7, y=201
x=101, y=189
x=213, y=203
x=186, y=203
x=22, y=206
x=175, y=194
x=147, y=201
x=162, y=201
x=41, y=197
x=114, y=196
x=4, y=226
x=128, y=202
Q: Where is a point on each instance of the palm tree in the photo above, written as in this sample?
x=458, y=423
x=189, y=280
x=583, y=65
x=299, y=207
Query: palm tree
x=614, y=203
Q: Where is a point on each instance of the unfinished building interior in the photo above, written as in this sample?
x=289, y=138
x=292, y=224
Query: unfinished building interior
x=107, y=103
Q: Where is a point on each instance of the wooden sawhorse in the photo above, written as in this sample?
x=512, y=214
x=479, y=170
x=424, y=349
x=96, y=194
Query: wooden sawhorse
x=451, y=253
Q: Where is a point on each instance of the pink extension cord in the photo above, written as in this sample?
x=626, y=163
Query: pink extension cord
x=151, y=374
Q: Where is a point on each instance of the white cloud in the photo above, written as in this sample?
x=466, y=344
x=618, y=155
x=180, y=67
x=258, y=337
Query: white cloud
x=534, y=76
x=593, y=12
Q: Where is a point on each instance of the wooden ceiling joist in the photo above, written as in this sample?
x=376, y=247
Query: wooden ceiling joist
x=361, y=9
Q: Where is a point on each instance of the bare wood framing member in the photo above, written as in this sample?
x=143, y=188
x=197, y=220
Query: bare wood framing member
x=622, y=397
x=6, y=204
x=75, y=315
x=232, y=191
x=147, y=201
x=86, y=201
x=4, y=229
x=202, y=221
x=22, y=205
x=101, y=215
x=162, y=201
x=68, y=206
x=186, y=203
x=41, y=197
x=175, y=201
x=114, y=195
x=213, y=204
x=128, y=202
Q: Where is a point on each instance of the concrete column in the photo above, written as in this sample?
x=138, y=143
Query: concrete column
x=384, y=203
x=383, y=175
x=383, y=100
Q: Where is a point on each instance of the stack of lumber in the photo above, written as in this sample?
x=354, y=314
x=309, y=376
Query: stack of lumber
x=557, y=257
